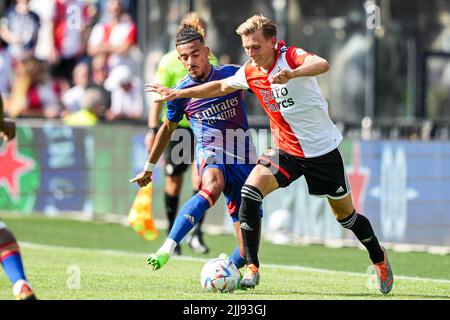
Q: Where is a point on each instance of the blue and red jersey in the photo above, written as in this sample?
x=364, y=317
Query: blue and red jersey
x=220, y=124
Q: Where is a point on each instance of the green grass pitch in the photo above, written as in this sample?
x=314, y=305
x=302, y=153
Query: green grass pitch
x=67, y=259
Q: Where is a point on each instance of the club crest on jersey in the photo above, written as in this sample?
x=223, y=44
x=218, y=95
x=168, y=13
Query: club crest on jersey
x=283, y=49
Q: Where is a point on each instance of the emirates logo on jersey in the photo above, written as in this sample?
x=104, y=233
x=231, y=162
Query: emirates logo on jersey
x=220, y=111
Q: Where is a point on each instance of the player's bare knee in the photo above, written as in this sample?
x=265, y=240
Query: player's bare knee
x=215, y=187
x=341, y=212
x=213, y=181
x=340, y=215
x=262, y=179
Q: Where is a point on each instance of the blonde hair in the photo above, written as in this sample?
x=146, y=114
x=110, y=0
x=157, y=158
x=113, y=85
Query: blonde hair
x=255, y=23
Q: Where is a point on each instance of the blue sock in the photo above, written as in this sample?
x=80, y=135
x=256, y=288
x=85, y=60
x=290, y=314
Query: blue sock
x=13, y=267
x=237, y=258
x=190, y=214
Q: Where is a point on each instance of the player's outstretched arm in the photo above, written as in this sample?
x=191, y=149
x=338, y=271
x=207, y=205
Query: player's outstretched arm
x=154, y=119
x=211, y=89
x=161, y=141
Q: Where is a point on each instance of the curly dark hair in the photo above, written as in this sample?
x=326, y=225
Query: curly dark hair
x=188, y=33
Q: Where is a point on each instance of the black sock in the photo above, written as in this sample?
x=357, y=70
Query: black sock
x=171, y=209
x=362, y=229
x=251, y=222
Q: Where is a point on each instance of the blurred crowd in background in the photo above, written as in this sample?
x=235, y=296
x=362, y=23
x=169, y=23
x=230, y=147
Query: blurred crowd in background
x=70, y=59
x=86, y=61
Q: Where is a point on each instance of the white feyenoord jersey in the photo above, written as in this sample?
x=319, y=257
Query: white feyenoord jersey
x=298, y=112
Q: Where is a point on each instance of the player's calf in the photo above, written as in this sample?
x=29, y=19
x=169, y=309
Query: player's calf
x=11, y=261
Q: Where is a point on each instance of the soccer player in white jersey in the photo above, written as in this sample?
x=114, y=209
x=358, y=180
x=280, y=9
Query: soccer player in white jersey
x=306, y=142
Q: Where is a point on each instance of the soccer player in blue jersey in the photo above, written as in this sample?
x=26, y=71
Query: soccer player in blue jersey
x=9, y=249
x=223, y=165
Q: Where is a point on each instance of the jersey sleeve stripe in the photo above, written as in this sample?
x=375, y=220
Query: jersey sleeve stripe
x=294, y=59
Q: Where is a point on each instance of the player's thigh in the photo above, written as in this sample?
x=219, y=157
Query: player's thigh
x=275, y=169
x=262, y=179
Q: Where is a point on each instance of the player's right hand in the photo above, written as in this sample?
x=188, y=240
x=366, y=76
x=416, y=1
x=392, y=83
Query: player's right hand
x=143, y=178
x=8, y=132
x=166, y=94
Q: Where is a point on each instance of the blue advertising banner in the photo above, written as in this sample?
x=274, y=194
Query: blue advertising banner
x=63, y=169
x=406, y=193
x=401, y=186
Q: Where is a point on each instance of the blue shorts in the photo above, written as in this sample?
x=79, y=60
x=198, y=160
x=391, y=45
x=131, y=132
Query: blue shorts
x=235, y=176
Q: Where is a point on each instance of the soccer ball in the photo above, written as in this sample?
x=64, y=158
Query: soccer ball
x=219, y=275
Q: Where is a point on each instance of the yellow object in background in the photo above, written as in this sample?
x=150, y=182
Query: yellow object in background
x=140, y=216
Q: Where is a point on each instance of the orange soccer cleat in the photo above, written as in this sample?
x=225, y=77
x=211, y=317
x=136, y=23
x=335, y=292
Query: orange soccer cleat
x=385, y=277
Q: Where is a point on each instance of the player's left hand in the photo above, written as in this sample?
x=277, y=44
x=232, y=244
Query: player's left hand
x=8, y=131
x=166, y=94
x=282, y=77
x=143, y=178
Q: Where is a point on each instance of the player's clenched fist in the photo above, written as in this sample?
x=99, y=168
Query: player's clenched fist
x=282, y=77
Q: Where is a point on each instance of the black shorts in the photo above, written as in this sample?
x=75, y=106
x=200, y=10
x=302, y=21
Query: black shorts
x=325, y=175
x=179, y=154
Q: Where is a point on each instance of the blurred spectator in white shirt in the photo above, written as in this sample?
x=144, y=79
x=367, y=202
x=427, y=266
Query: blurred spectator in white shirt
x=126, y=94
x=63, y=35
x=116, y=37
x=44, y=9
x=72, y=99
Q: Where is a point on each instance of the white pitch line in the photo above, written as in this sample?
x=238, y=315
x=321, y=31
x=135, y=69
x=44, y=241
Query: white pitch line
x=197, y=259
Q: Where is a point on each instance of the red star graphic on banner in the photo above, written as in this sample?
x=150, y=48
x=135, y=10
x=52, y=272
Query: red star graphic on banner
x=12, y=167
x=358, y=177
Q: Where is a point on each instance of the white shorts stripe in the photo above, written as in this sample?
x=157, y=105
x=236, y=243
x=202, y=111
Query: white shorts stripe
x=347, y=184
